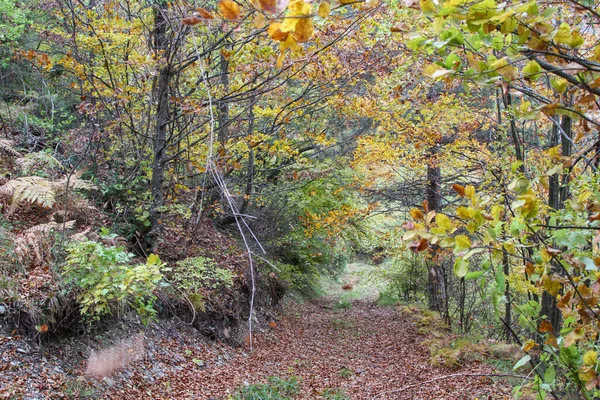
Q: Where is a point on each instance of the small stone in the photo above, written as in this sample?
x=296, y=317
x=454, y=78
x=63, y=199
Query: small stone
x=109, y=382
x=2, y=310
x=22, y=350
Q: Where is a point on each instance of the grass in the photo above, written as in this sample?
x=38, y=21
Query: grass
x=274, y=389
x=282, y=389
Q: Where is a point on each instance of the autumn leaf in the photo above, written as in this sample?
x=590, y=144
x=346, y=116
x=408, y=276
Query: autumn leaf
x=259, y=22
x=399, y=28
x=590, y=357
x=573, y=336
x=419, y=246
x=202, y=13
x=274, y=31
x=189, y=21
x=229, y=9
x=324, y=9
x=408, y=225
x=545, y=327
x=528, y=345
x=459, y=189
x=462, y=242
x=269, y=6
x=304, y=30
x=416, y=214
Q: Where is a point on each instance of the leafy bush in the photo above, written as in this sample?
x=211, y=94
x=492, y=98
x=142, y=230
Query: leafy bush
x=103, y=276
x=275, y=389
x=405, y=276
x=195, y=274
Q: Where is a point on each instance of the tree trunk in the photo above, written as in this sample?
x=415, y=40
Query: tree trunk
x=437, y=281
x=159, y=140
x=558, y=193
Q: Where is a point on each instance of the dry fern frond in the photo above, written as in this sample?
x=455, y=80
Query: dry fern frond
x=7, y=146
x=40, y=190
x=49, y=227
x=30, y=188
x=33, y=246
x=75, y=183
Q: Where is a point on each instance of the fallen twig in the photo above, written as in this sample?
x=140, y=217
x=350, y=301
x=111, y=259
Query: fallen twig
x=439, y=378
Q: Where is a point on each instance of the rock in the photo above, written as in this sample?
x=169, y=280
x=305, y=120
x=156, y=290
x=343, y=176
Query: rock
x=109, y=382
x=3, y=310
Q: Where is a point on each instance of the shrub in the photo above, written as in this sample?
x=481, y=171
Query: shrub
x=103, y=276
x=194, y=274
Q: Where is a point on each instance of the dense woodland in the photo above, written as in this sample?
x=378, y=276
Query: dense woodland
x=205, y=159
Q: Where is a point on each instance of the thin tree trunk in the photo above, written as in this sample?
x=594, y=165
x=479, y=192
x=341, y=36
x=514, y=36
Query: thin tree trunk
x=437, y=281
x=159, y=141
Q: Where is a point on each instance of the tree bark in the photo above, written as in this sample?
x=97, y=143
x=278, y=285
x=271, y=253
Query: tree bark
x=159, y=140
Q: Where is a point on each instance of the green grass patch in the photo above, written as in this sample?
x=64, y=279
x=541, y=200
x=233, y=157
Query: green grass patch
x=274, y=389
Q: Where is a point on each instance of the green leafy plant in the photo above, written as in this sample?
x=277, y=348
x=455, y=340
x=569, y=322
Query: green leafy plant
x=103, y=276
x=275, y=389
x=195, y=274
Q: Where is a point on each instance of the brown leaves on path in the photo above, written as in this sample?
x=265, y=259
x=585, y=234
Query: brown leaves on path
x=366, y=351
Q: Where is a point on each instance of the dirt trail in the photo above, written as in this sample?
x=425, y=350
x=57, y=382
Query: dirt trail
x=366, y=351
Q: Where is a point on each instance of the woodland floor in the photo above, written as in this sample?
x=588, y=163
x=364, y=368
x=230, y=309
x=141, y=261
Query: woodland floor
x=367, y=351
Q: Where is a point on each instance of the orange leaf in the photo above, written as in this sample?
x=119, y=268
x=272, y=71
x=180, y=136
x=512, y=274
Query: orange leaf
x=545, y=326
x=419, y=246
x=416, y=214
x=399, y=28
x=229, y=9
x=528, y=345
x=276, y=33
x=594, y=217
x=269, y=6
x=273, y=324
x=190, y=20
x=426, y=205
x=202, y=13
x=459, y=189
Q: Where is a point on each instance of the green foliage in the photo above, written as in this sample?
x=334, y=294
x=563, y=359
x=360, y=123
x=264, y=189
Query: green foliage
x=275, y=389
x=335, y=394
x=342, y=304
x=104, y=276
x=196, y=274
x=404, y=276
x=13, y=20
x=41, y=163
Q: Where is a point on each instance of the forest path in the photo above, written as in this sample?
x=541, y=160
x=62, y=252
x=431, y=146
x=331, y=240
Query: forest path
x=363, y=350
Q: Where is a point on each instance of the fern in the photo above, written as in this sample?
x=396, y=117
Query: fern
x=32, y=189
x=7, y=147
x=41, y=191
x=33, y=245
x=38, y=163
x=48, y=227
